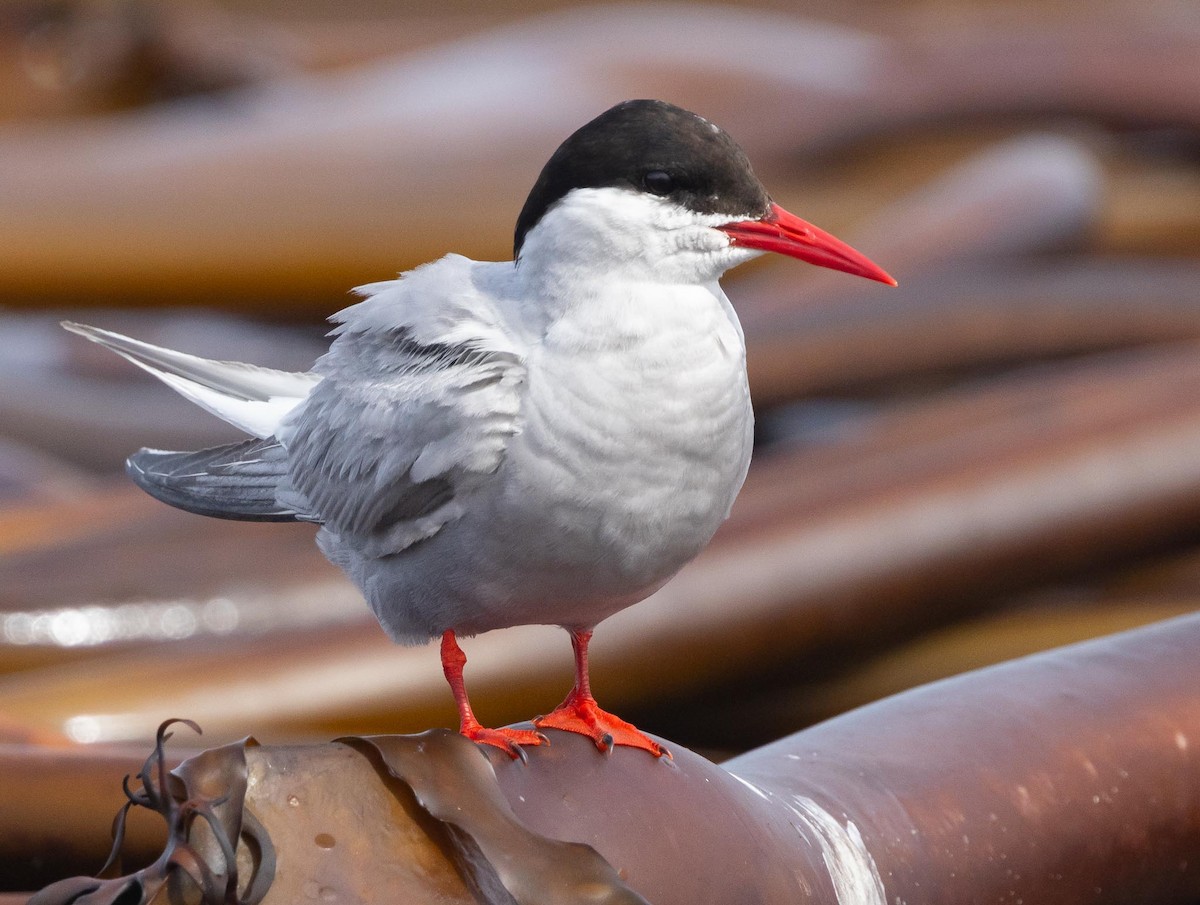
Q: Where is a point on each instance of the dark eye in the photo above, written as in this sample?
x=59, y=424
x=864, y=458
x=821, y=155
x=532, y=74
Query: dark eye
x=658, y=182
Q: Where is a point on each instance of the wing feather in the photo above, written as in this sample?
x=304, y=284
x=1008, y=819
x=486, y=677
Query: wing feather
x=394, y=439
x=406, y=416
x=235, y=481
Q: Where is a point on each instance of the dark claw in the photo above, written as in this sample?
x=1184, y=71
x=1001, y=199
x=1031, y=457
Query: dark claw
x=606, y=743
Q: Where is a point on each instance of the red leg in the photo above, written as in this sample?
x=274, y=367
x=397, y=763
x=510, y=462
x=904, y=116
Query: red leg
x=509, y=740
x=580, y=712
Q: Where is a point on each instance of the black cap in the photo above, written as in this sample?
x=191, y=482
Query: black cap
x=653, y=147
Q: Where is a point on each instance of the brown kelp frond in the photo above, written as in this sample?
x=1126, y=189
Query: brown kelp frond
x=501, y=858
x=209, y=788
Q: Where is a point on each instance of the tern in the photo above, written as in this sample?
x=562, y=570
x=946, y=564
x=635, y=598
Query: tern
x=544, y=440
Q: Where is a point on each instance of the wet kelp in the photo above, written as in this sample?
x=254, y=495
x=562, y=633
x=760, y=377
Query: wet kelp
x=216, y=849
x=1060, y=777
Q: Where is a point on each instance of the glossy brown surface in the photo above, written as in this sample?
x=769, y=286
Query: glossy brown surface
x=998, y=457
x=1064, y=777
x=1051, y=779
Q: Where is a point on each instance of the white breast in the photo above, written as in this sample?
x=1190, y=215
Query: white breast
x=635, y=438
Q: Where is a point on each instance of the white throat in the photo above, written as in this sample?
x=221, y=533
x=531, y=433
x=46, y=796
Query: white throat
x=610, y=236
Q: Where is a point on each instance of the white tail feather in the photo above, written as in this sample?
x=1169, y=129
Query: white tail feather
x=249, y=397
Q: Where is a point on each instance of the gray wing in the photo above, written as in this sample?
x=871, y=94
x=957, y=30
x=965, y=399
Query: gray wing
x=386, y=449
x=235, y=481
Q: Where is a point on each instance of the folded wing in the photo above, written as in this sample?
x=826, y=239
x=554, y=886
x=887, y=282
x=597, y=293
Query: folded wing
x=235, y=481
x=403, y=420
x=387, y=449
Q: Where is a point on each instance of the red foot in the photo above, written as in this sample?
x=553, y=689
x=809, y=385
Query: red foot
x=507, y=740
x=581, y=714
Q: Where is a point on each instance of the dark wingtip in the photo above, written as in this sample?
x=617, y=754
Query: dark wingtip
x=209, y=481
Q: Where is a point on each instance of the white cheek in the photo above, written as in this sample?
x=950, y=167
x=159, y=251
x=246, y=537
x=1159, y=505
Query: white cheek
x=699, y=239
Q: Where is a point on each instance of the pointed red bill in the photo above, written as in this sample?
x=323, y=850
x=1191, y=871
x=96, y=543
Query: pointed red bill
x=785, y=233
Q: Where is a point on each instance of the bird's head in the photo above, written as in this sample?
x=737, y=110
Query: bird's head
x=661, y=193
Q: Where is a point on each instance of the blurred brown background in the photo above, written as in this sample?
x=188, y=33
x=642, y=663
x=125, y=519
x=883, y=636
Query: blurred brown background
x=1002, y=455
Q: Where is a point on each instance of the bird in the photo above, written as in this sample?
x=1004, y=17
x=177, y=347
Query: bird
x=545, y=440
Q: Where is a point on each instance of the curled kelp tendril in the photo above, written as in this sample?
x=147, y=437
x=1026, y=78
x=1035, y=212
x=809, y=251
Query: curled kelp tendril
x=177, y=795
x=154, y=795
